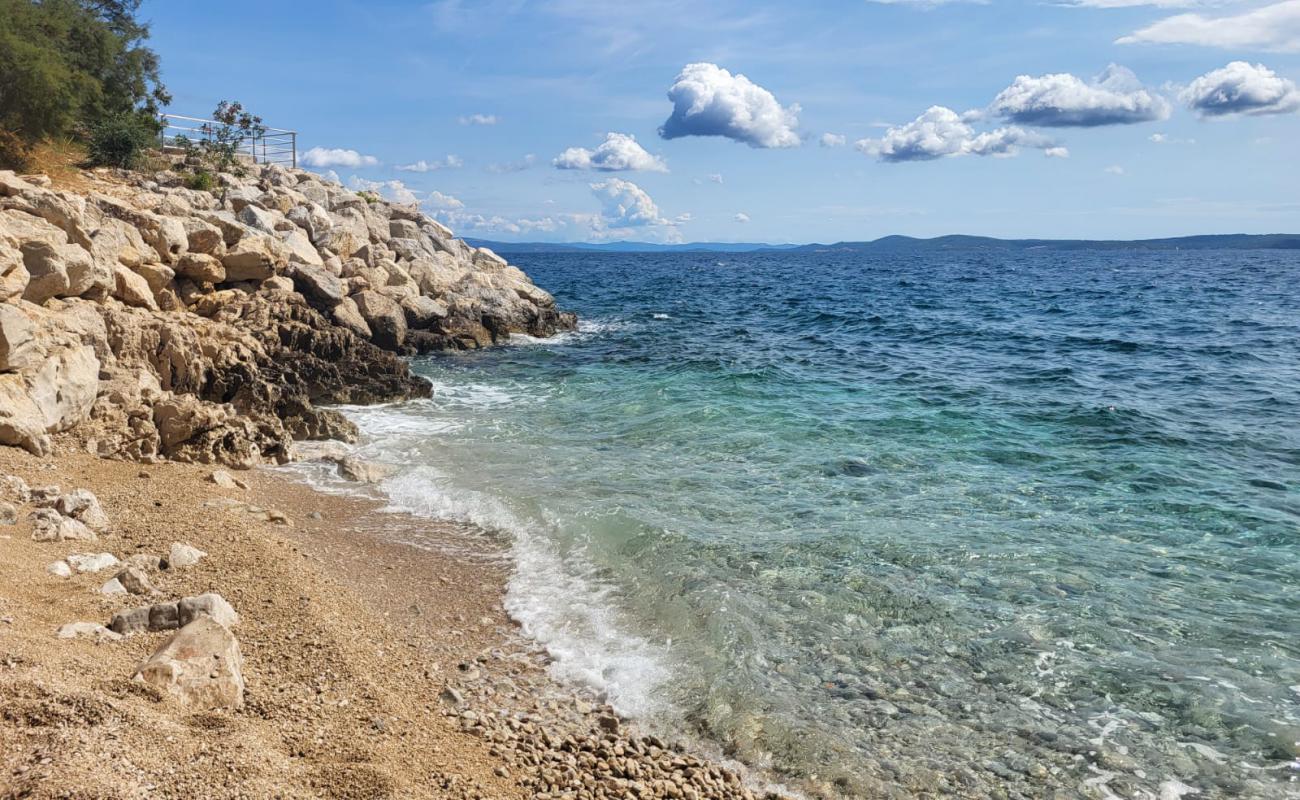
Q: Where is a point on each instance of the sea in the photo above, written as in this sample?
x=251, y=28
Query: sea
x=967, y=524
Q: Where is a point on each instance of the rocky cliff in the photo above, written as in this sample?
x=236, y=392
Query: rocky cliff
x=155, y=321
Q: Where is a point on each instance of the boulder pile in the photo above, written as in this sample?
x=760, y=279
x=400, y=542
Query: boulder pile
x=156, y=321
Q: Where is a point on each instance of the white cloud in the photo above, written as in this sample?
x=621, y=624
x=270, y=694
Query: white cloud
x=834, y=140
x=710, y=101
x=1275, y=27
x=1114, y=169
x=618, y=153
x=1164, y=138
x=449, y=162
x=331, y=176
x=1062, y=100
x=396, y=191
x=626, y=205
x=716, y=177
x=741, y=217
x=925, y=3
x=479, y=119
x=440, y=200
x=336, y=157
x=1132, y=3
x=940, y=132
x=1241, y=88
x=522, y=164
x=1056, y=152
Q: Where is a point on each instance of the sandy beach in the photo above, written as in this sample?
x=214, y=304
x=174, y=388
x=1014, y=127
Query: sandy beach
x=372, y=669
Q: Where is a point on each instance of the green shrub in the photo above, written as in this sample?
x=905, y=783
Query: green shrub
x=122, y=140
x=14, y=151
x=219, y=147
x=201, y=181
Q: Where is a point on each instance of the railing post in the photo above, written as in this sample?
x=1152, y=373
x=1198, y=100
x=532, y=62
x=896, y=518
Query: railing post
x=294, y=145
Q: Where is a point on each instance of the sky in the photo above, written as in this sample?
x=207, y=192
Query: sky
x=755, y=121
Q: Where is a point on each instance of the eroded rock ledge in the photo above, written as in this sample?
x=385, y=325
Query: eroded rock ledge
x=155, y=321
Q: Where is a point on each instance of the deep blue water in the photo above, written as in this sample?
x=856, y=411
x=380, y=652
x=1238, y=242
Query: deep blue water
x=974, y=524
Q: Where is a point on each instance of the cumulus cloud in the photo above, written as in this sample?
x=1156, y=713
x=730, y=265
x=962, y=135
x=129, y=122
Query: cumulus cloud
x=440, y=200
x=1241, y=88
x=620, y=152
x=449, y=162
x=834, y=140
x=1114, y=169
x=1056, y=152
x=626, y=205
x=336, y=157
x=710, y=101
x=522, y=164
x=716, y=177
x=479, y=119
x=1275, y=27
x=741, y=217
x=396, y=191
x=941, y=132
x=1062, y=100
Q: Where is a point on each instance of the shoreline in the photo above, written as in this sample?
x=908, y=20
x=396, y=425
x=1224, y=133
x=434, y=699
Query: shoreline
x=379, y=658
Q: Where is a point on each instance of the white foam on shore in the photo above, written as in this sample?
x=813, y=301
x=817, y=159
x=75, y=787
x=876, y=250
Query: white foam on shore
x=556, y=600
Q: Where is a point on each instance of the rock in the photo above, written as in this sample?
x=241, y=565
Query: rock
x=112, y=588
x=17, y=339
x=87, y=630
x=201, y=666
x=15, y=487
x=254, y=258
x=82, y=505
x=277, y=283
x=258, y=218
x=210, y=604
x=48, y=398
x=225, y=480
x=133, y=289
x=300, y=248
x=59, y=569
x=317, y=284
x=386, y=319
x=49, y=525
x=183, y=555
x=421, y=312
x=145, y=561
x=354, y=469
x=201, y=267
x=403, y=229
x=92, y=562
x=14, y=276
x=204, y=238
x=347, y=315
x=135, y=581
x=8, y=513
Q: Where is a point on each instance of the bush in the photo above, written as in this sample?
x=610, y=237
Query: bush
x=122, y=140
x=201, y=181
x=222, y=139
x=14, y=151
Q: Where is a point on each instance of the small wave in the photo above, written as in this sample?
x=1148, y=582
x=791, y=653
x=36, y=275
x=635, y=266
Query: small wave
x=660, y=316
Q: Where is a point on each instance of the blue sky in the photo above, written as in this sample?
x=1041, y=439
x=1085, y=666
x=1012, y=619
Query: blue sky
x=508, y=103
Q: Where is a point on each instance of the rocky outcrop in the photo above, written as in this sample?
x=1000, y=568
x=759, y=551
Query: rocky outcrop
x=161, y=322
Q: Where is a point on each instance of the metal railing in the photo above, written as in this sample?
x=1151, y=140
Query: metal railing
x=274, y=146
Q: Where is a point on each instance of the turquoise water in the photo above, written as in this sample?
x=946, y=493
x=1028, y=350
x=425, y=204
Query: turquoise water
x=971, y=524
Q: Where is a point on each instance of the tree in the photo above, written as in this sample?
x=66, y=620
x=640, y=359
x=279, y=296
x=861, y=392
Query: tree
x=69, y=65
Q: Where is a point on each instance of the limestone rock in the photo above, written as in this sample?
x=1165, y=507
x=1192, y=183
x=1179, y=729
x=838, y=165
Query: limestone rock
x=92, y=562
x=59, y=569
x=348, y=316
x=8, y=513
x=354, y=469
x=201, y=267
x=183, y=555
x=135, y=581
x=49, y=525
x=15, y=487
x=225, y=480
x=133, y=289
x=253, y=258
x=113, y=588
x=14, y=276
x=147, y=562
x=201, y=666
x=210, y=604
x=87, y=630
x=385, y=317
x=17, y=345
x=203, y=237
x=300, y=248
x=83, y=505
x=317, y=284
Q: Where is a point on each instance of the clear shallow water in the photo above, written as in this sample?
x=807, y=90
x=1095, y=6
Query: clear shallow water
x=979, y=525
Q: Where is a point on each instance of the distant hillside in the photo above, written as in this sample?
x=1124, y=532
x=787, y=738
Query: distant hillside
x=908, y=244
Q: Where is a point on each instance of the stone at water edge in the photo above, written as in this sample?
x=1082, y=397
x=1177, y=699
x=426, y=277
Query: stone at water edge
x=183, y=555
x=201, y=666
x=49, y=525
x=354, y=469
x=92, y=562
x=87, y=630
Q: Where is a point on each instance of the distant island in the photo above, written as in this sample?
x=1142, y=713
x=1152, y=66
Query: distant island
x=909, y=244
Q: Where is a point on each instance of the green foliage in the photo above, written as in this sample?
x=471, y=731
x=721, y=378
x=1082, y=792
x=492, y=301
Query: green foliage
x=369, y=197
x=201, y=181
x=68, y=66
x=218, y=146
x=123, y=139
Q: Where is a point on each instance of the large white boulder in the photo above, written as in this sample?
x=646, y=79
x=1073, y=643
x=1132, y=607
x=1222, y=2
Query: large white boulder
x=201, y=667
